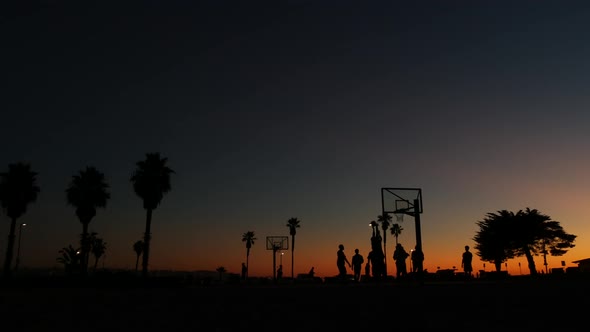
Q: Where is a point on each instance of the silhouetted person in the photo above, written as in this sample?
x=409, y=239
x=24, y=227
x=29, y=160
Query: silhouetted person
x=280, y=273
x=244, y=271
x=417, y=260
x=376, y=256
x=399, y=256
x=466, y=262
x=357, y=265
x=367, y=269
x=341, y=262
x=311, y=273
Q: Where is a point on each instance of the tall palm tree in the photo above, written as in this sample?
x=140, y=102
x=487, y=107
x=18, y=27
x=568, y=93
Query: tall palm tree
x=151, y=181
x=99, y=247
x=396, y=230
x=293, y=224
x=385, y=220
x=138, y=248
x=249, y=238
x=87, y=191
x=18, y=188
x=374, y=226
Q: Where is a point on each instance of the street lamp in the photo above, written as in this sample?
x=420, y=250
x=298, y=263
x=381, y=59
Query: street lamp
x=411, y=253
x=20, y=233
x=282, y=253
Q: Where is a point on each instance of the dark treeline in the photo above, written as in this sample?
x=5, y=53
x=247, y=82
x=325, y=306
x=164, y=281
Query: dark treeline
x=86, y=192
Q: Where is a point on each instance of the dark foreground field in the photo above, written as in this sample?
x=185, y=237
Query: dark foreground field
x=527, y=305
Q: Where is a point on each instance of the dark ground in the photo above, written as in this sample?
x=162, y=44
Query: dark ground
x=526, y=305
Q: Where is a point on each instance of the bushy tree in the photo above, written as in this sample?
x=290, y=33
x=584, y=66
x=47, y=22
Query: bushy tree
x=504, y=235
x=535, y=233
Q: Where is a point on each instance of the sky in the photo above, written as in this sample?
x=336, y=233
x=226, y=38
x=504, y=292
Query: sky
x=268, y=110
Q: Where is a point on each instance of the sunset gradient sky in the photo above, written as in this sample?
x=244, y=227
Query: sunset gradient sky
x=269, y=110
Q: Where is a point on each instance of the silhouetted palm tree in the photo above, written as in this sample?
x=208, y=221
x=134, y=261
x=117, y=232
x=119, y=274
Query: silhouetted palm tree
x=18, y=188
x=374, y=226
x=87, y=191
x=151, y=181
x=221, y=271
x=70, y=258
x=385, y=220
x=138, y=248
x=249, y=238
x=293, y=224
x=396, y=230
x=99, y=247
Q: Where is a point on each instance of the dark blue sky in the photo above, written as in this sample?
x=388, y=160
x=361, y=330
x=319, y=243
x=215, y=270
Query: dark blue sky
x=275, y=109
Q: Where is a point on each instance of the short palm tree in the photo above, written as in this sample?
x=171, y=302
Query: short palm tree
x=86, y=192
x=293, y=224
x=18, y=189
x=221, y=271
x=99, y=247
x=396, y=230
x=70, y=258
x=151, y=181
x=249, y=238
x=138, y=248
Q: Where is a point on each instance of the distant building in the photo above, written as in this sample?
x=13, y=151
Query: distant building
x=583, y=265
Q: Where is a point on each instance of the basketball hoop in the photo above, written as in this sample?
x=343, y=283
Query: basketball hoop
x=402, y=206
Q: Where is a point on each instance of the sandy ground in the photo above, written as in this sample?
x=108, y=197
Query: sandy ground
x=466, y=306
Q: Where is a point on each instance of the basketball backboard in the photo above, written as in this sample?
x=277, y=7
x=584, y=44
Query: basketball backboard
x=277, y=243
x=405, y=201
x=401, y=200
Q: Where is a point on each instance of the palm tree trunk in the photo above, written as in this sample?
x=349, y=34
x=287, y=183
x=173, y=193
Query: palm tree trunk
x=146, y=240
x=385, y=252
x=292, y=254
x=85, y=251
x=136, y=263
x=9, y=250
x=247, y=262
x=531, y=262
